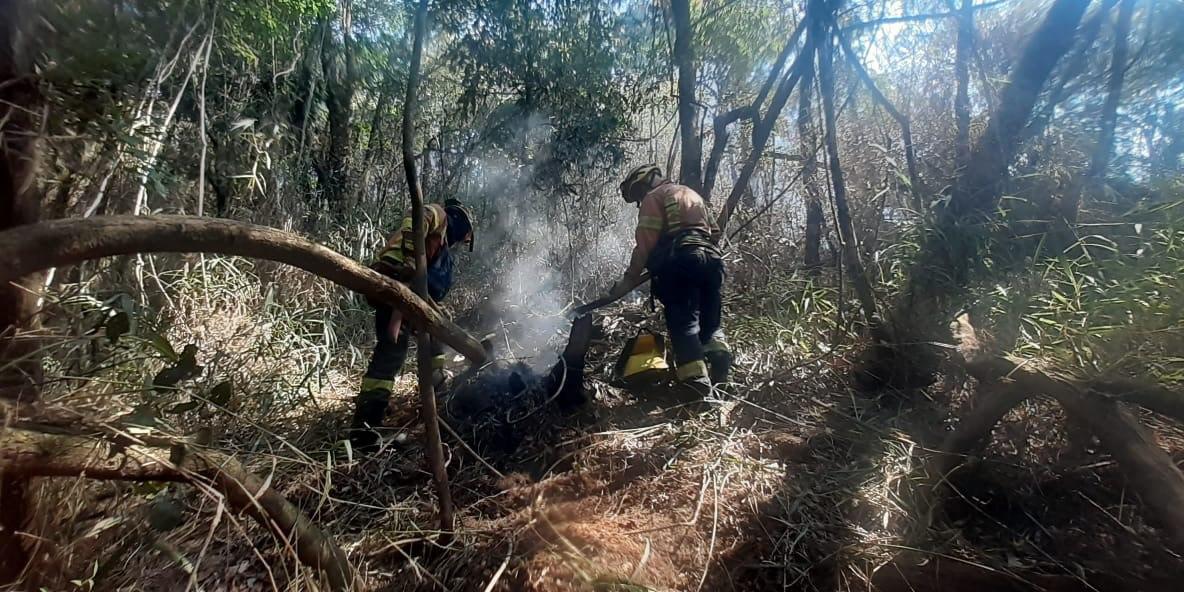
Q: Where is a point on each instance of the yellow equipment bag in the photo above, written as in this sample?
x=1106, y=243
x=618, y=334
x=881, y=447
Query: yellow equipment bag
x=643, y=359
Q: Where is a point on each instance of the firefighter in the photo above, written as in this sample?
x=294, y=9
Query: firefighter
x=445, y=226
x=675, y=241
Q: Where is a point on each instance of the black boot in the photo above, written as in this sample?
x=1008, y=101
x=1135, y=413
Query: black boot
x=368, y=416
x=719, y=366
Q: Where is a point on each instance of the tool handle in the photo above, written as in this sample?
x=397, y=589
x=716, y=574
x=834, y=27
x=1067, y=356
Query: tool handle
x=603, y=301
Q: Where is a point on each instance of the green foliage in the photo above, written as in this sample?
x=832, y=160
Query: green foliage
x=1111, y=303
x=564, y=68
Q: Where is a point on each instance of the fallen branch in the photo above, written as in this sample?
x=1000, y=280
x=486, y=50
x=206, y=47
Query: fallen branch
x=990, y=405
x=68, y=241
x=1149, y=469
x=1151, y=396
x=32, y=454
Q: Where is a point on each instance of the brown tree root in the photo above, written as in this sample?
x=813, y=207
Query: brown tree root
x=28, y=454
x=1150, y=471
x=991, y=403
x=58, y=243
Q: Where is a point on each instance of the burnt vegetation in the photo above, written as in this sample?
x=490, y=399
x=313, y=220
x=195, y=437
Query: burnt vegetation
x=954, y=235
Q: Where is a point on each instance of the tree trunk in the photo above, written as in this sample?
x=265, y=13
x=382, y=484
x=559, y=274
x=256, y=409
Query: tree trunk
x=762, y=128
x=1073, y=68
x=965, y=46
x=916, y=189
x=719, y=144
x=721, y=122
x=1122, y=30
x=690, y=172
x=826, y=85
x=808, y=142
x=948, y=254
x=427, y=396
x=977, y=191
x=20, y=367
x=339, y=97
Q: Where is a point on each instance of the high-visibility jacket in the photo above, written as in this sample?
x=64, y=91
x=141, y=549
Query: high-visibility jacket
x=400, y=249
x=397, y=258
x=666, y=211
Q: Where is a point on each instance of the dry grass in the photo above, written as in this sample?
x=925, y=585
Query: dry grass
x=794, y=481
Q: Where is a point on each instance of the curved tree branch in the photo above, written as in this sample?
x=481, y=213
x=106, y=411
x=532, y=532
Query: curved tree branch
x=33, y=454
x=59, y=243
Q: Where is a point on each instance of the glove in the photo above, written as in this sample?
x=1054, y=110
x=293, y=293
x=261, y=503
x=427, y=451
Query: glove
x=440, y=378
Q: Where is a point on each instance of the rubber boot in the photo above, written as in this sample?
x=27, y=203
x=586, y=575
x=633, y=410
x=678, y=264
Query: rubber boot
x=692, y=379
x=719, y=365
x=368, y=417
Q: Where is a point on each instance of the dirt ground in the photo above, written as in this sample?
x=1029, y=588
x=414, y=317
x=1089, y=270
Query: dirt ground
x=794, y=480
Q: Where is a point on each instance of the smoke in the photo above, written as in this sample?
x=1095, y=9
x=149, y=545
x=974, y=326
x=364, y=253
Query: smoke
x=538, y=251
x=522, y=246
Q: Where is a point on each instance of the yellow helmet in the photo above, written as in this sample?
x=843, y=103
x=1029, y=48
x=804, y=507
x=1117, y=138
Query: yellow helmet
x=644, y=175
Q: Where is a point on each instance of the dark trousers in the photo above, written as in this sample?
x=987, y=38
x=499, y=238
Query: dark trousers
x=690, y=287
x=390, y=353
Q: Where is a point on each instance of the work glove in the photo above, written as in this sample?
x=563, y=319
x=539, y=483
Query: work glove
x=440, y=378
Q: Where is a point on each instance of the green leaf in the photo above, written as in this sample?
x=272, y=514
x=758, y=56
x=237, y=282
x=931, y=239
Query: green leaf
x=221, y=393
x=161, y=344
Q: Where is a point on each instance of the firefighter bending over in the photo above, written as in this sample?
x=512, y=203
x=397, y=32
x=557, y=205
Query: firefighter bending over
x=446, y=225
x=674, y=241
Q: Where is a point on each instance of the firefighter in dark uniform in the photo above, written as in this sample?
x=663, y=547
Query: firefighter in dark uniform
x=446, y=225
x=675, y=242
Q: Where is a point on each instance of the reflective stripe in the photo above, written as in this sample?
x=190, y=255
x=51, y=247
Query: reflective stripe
x=691, y=370
x=649, y=223
x=673, y=213
x=374, y=384
x=715, y=345
x=438, y=362
x=393, y=255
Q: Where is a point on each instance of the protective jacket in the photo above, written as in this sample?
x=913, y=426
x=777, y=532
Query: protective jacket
x=397, y=259
x=668, y=217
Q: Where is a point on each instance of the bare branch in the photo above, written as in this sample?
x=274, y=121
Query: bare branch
x=69, y=241
x=32, y=454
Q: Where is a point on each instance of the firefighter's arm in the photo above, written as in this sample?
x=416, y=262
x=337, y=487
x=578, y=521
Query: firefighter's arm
x=649, y=230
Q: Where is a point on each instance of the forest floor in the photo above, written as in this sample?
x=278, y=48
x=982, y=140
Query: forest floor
x=793, y=480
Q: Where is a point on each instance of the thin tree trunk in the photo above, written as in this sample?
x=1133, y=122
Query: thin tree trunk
x=965, y=46
x=690, y=173
x=946, y=256
x=808, y=138
x=762, y=128
x=20, y=368
x=427, y=396
x=721, y=122
x=916, y=189
x=826, y=84
x=1073, y=68
x=977, y=191
x=1101, y=156
x=719, y=144
x=339, y=95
